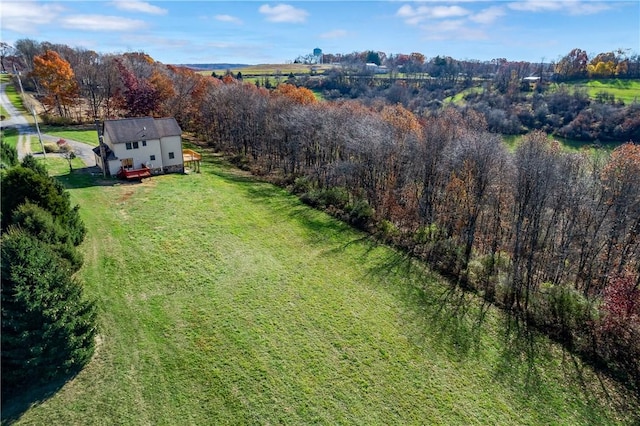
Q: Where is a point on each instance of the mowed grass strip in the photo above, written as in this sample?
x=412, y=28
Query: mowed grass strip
x=227, y=301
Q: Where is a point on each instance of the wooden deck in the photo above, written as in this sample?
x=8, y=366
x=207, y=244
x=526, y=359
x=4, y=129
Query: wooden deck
x=190, y=155
x=131, y=174
x=191, y=159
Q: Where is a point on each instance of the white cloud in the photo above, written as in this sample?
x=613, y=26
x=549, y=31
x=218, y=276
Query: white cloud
x=23, y=17
x=572, y=7
x=228, y=18
x=139, y=6
x=415, y=15
x=489, y=15
x=588, y=8
x=457, y=29
x=283, y=13
x=334, y=34
x=101, y=23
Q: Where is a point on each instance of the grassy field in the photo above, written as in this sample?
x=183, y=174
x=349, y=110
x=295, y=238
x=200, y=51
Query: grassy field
x=271, y=70
x=567, y=145
x=86, y=134
x=627, y=91
x=227, y=301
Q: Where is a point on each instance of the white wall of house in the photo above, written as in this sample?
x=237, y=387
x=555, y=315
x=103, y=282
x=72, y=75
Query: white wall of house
x=172, y=147
x=142, y=152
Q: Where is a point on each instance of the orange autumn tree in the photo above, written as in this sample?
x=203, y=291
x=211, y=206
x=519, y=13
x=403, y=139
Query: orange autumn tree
x=57, y=80
x=300, y=95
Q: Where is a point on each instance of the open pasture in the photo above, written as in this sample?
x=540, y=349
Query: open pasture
x=223, y=300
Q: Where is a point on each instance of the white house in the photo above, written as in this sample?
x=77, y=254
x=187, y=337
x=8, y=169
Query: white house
x=131, y=144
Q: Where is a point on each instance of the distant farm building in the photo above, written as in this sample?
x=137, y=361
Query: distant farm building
x=375, y=68
x=140, y=147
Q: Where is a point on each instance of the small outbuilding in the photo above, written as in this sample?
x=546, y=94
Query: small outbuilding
x=140, y=147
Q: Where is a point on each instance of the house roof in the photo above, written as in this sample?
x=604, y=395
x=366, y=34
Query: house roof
x=140, y=128
x=109, y=154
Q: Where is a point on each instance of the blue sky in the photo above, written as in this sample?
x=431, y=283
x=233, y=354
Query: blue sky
x=256, y=32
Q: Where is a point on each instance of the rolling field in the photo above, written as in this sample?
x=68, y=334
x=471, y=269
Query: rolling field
x=270, y=70
x=627, y=91
x=226, y=301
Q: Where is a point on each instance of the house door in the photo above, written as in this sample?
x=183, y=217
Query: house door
x=127, y=163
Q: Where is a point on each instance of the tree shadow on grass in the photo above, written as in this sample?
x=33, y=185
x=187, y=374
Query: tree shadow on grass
x=16, y=402
x=521, y=355
x=88, y=177
x=445, y=312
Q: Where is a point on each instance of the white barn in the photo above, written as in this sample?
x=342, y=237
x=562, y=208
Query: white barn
x=145, y=143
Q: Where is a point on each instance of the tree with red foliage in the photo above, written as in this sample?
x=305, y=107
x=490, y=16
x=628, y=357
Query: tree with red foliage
x=620, y=324
x=140, y=96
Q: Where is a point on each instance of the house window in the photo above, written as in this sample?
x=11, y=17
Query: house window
x=144, y=143
x=128, y=144
x=152, y=157
x=135, y=145
x=171, y=155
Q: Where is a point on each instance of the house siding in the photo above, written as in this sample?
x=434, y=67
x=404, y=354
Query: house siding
x=172, y=144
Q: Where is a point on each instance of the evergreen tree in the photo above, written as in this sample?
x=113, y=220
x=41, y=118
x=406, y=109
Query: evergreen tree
x=40, y=224
x=23, y=184
x=8, y=155
x=48, y=327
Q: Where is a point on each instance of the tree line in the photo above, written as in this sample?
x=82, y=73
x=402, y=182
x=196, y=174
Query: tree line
x=550, y=236
x=48, y=326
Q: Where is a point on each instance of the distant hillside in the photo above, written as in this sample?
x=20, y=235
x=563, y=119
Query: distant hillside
x=205, y=67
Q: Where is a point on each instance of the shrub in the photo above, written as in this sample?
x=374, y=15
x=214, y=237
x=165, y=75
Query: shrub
x=387, y=230
x=360, y=213
x=336, y=197
x=301, y=185
x=51, y=148
x=426, y=234
x=561, y=306
x=54, y=120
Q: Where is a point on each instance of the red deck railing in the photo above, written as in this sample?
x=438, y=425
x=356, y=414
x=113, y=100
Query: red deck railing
x=131, y=174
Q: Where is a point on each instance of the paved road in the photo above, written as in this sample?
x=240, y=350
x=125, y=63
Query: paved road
x=17, y=120
x=26, y=132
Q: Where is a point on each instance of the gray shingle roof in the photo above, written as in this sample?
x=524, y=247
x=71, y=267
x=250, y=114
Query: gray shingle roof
x=141, y=128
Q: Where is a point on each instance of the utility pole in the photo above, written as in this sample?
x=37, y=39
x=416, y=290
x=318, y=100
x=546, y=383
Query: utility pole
x=102, y=150
x=15, y=71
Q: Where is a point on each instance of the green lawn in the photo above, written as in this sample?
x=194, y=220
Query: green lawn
x=86, y=134
x=226, y=301
x=9, y=136
x=624, y=90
